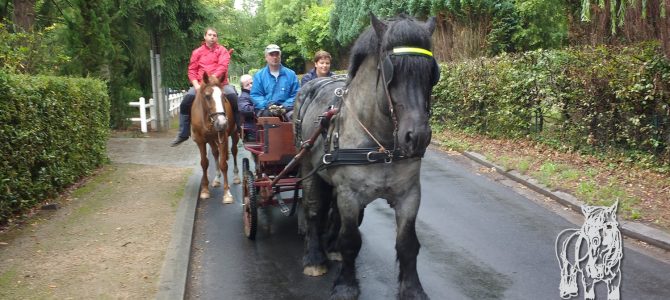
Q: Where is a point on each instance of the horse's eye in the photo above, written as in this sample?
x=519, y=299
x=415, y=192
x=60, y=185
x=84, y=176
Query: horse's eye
x=609, y=226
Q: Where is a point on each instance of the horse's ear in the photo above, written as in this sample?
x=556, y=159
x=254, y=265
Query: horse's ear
x=586, y=210
x=614, y=207
x=378, y=25
x=430, y=24
x=205, y=78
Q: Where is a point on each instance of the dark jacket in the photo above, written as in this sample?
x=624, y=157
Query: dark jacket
x=246, y=107
x=311, y=75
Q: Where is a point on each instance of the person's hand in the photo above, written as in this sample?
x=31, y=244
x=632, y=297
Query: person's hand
x=196, y=85
x=276, y=110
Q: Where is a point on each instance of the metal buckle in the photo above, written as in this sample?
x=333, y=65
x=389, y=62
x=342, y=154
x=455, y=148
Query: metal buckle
x=368, y=157
x=327, y=158
x=339, y=92
x=389, y=157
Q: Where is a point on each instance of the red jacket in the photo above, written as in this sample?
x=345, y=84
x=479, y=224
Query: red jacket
x=213, y=61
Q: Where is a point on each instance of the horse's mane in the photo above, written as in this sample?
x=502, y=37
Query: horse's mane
x=400, y=31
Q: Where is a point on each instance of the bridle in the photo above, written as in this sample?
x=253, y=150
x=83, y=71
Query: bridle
x=212, y=116
x=386, y=71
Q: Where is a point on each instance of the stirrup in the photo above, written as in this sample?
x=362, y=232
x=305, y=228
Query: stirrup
x=177, y=141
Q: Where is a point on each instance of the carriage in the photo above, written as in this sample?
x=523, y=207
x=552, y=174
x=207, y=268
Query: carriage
x=272, y=150
x=275, y=159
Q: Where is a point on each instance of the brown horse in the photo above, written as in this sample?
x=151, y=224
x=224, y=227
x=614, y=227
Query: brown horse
x=212, y=122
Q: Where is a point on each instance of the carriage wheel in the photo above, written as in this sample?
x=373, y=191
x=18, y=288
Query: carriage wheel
x=250, y=208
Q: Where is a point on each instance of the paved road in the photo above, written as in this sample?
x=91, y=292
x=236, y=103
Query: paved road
x=480, y=240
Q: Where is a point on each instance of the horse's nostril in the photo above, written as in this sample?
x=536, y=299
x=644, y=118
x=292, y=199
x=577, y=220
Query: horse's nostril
x=408, y=137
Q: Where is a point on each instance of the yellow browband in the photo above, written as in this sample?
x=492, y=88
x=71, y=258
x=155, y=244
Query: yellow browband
x=409, y=50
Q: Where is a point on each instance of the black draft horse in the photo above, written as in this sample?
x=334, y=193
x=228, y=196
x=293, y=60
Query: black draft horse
x=371, y=149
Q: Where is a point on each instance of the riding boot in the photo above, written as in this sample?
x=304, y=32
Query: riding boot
x=184, y=130
x=232, y=98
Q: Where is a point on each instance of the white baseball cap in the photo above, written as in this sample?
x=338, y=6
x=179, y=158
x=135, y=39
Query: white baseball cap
x=272, y=48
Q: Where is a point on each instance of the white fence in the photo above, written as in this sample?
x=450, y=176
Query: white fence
x=173, y=101
x=143, y=113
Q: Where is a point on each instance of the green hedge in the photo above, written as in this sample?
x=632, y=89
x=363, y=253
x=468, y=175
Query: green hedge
x=578, y=99
x=53, y=130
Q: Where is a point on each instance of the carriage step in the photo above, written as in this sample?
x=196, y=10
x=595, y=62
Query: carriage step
x=282, y=206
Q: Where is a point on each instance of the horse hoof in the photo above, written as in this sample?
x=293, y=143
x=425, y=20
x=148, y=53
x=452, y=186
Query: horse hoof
x=334, y=256
x=315, y=270
x=216, y=183
x=418, y=294
x=346, y=292
x=228, y=199
x=237, y=180
x=204, y=195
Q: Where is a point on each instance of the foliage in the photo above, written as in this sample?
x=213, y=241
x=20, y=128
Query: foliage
x=313, y=33
x=580, y=99
x=281, y=17
x=618, y=10
x=28, y=53
x=53, y=130
x=514, y=25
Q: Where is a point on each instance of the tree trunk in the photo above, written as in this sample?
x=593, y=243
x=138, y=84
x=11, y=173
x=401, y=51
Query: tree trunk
x=24, y=14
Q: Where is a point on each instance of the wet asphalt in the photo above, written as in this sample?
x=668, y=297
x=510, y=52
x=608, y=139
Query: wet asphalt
x=480, y=240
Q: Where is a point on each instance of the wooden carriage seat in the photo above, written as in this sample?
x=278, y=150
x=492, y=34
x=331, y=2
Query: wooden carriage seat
x=276, y=139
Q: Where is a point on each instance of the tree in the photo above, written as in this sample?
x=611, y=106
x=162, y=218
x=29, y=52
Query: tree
x=312, y=33
x=281, y=18
x=24, y=14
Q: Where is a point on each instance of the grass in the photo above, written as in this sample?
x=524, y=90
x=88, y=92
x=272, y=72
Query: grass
x=99, y=185
x=179, y=194
x=523, y=165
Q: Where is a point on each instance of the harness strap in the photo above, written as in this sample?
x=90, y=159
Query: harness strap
x=358, y=156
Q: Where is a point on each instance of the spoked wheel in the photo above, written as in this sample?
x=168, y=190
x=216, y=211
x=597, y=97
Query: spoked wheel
x=249, y=208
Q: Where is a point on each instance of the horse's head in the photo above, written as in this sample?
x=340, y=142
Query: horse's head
x=408, y=72
x=213, y=100
x=601, y=231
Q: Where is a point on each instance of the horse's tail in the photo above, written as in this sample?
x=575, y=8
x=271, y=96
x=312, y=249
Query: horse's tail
x=568, y=285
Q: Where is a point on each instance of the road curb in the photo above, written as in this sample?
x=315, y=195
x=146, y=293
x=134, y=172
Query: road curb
x=174, y=273
x=634, y=230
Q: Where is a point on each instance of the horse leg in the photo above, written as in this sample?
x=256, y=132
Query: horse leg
x=613, y=292
x=223, y=166
x=349, y=244
x=332, y=230
x=204, y=163
x=217, y=158
x=314, y=259
x=233, y=149
x=407, y=244
x=589, y=287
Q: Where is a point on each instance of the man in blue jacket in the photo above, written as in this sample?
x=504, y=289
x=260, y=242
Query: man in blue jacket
x=275, y=86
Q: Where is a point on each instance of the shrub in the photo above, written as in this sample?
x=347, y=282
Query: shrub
x=53, y=130
x=588, y=98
